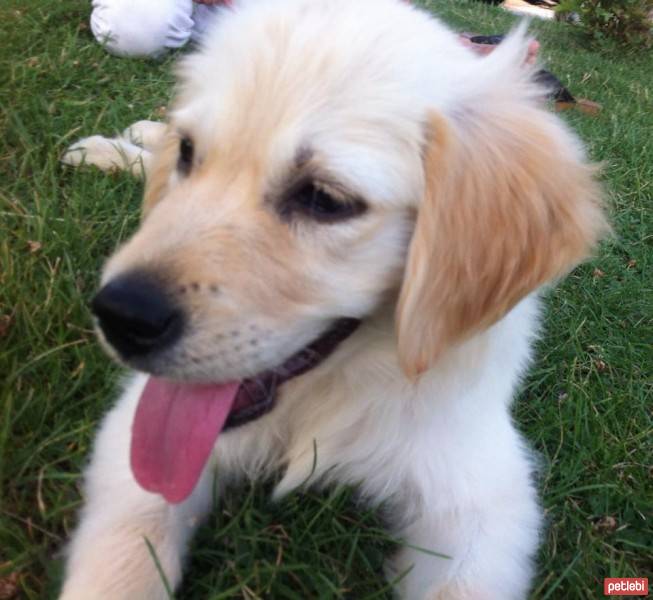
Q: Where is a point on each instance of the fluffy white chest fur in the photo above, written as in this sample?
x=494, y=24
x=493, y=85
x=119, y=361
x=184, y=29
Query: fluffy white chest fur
x=329, y=163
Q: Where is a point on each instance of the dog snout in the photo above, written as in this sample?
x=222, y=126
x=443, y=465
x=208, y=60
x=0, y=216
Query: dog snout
x=137, y=315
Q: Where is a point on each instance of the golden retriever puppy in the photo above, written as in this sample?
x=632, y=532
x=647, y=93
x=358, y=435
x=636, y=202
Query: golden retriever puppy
x=345, y=227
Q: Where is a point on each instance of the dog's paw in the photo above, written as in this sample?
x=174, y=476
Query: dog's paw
x=96, y=150
x=146, y=134
x=115, y=154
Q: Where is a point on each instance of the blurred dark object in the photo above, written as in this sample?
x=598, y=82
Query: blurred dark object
x=557, y=91
x=563, y=98
x=491, y=40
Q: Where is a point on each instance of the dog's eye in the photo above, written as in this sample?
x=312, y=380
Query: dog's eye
x=186, y=155
x=311, y=201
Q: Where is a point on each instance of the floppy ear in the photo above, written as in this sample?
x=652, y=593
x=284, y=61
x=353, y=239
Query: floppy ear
x=509, y=204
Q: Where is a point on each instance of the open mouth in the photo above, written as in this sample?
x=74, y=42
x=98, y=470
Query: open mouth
x=177, y=424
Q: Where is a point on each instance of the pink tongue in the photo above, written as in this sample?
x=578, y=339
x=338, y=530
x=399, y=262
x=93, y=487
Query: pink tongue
x=175, y=429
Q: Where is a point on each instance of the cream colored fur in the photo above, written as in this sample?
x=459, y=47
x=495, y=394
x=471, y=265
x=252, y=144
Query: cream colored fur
x=477, y=197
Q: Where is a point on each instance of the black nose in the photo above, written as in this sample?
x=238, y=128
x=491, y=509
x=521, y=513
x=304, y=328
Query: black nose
x=136, y=315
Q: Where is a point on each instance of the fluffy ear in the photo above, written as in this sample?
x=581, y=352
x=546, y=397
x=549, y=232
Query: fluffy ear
x=509, y=205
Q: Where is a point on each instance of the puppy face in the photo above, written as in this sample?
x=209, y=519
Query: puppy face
x=279, y=201
x=258, y=257
x=287, y=190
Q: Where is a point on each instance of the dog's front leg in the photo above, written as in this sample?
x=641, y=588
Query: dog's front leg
x=471, y=535
x=125, y=531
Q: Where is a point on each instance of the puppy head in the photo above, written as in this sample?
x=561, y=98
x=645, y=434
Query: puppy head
x=284, y=195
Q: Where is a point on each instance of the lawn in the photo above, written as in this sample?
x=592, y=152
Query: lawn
x=586, y=406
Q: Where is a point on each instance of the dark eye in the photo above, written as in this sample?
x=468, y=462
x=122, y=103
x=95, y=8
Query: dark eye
x=315, y=203
x=186, y=154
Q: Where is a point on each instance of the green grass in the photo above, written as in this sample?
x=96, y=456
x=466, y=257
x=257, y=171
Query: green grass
x=586, y=405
